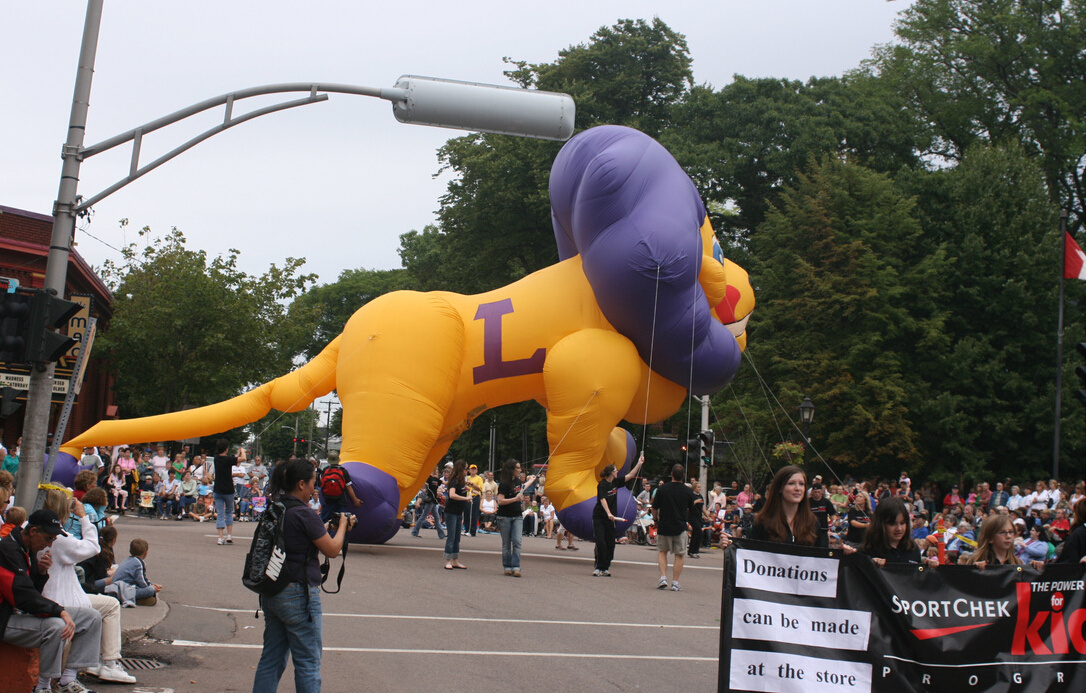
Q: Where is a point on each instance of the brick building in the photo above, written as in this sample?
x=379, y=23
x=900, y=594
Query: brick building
x=24, y=250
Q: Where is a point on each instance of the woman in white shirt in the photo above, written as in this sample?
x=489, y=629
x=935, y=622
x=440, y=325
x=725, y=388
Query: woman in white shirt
x=488, y=509
x=63, y=585
x=1039, y=500
x=547, y=514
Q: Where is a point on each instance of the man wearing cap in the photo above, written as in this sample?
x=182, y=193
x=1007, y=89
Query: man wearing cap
x=43, y=623
x=474, y=483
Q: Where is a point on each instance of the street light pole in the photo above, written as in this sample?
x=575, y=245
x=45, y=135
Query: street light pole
x=418, y=100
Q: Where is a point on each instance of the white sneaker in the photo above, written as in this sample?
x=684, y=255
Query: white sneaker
x=676, y=587
x=113, y=672
x=220, y=541
x=662, y=584
x=598, y=573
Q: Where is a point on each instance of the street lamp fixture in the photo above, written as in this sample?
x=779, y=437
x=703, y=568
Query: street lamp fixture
x=807, y=413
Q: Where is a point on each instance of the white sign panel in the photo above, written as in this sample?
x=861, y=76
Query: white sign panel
x=844, y=629
x=776, y=572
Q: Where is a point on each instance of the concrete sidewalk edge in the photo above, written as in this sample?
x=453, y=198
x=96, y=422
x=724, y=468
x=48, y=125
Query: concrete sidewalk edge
x=135, y=623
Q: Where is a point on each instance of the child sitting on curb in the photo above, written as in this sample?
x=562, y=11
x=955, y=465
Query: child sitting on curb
x=134, y=572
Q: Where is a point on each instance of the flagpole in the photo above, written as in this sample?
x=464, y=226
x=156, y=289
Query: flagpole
x=1060, y=348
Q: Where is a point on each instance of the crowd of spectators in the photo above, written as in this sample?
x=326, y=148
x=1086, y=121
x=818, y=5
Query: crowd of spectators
x=1042, y=513
x=148, y=482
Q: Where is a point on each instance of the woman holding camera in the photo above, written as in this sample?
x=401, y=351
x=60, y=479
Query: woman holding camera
x=292, y=618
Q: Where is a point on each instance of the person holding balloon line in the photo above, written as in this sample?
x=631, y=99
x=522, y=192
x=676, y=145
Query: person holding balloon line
x=605, y=515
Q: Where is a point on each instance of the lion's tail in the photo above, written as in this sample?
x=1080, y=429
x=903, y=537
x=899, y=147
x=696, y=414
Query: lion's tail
x=292, y=392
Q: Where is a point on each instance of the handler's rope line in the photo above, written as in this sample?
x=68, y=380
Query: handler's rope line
x=766, y=389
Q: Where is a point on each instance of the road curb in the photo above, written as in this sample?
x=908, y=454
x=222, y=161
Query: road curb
x=135, y=623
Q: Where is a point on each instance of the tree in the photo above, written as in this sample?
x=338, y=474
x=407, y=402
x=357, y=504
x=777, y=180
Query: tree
x=631, y=73
x=743, y=144
x=843, y=310
x=187, y=331
x=997, y=72
x=990, y=403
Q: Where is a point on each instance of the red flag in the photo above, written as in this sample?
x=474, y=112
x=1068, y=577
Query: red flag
x=1075, y=263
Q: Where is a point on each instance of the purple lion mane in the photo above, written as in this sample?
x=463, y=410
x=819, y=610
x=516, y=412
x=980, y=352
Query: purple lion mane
x=622, y=202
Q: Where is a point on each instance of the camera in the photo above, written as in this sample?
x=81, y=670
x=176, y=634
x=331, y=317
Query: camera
x=334, y=520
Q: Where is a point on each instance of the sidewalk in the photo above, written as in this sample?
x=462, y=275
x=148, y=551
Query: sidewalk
x=137, y=621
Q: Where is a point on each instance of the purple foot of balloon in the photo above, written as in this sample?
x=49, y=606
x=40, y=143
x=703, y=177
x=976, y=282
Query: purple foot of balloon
x=65, y=469
x=379, y=516
x=578, y=518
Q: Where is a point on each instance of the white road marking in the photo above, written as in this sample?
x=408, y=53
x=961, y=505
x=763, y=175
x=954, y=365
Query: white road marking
x=408, y=617
x=459, y=653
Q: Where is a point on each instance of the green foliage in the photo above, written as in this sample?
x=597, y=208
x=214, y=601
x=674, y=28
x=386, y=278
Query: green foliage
x=990, y=406
x=998, y=72
x=277, y=431
x=189, y=331
x=839, y=317
x=743, y=144
x=631, y=73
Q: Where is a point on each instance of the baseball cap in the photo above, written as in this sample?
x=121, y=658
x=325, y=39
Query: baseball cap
x=472, y=466
x=816, y=485
x=47, y=521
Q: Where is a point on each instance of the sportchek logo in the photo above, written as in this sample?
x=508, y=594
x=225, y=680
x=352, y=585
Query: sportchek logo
x=1050, y=631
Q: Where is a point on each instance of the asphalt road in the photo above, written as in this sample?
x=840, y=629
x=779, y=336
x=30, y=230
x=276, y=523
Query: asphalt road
x=403, y=623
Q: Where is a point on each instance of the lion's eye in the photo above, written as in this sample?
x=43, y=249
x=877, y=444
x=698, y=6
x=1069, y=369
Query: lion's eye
x=718, y=254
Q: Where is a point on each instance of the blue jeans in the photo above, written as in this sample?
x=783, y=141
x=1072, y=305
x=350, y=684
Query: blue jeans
x=224, y=510
x=429, y=508
x=166, y=506
x=292, y=626
x=452, y=536
x=510, y=529
x=333, y=505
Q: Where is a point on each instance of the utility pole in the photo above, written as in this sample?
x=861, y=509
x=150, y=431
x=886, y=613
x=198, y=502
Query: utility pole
x=703, y=472
x=39, y=395
x=328, y=427
x=309, y=439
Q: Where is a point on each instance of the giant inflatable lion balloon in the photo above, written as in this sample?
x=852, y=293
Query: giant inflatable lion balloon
x=642, y=308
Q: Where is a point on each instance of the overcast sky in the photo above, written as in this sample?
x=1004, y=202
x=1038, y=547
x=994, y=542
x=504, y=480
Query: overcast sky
x=335, y=182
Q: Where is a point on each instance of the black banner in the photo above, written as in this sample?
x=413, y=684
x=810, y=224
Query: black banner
x=796, y=619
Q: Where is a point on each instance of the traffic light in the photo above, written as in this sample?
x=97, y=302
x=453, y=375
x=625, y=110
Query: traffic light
x=691, y=448
x=48, y=312
x=14, y=326
x=705, y=438
x=1081, y=347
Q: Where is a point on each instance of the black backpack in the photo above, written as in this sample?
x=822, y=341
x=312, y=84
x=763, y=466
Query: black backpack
x=264, y=564
x=264, y=573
